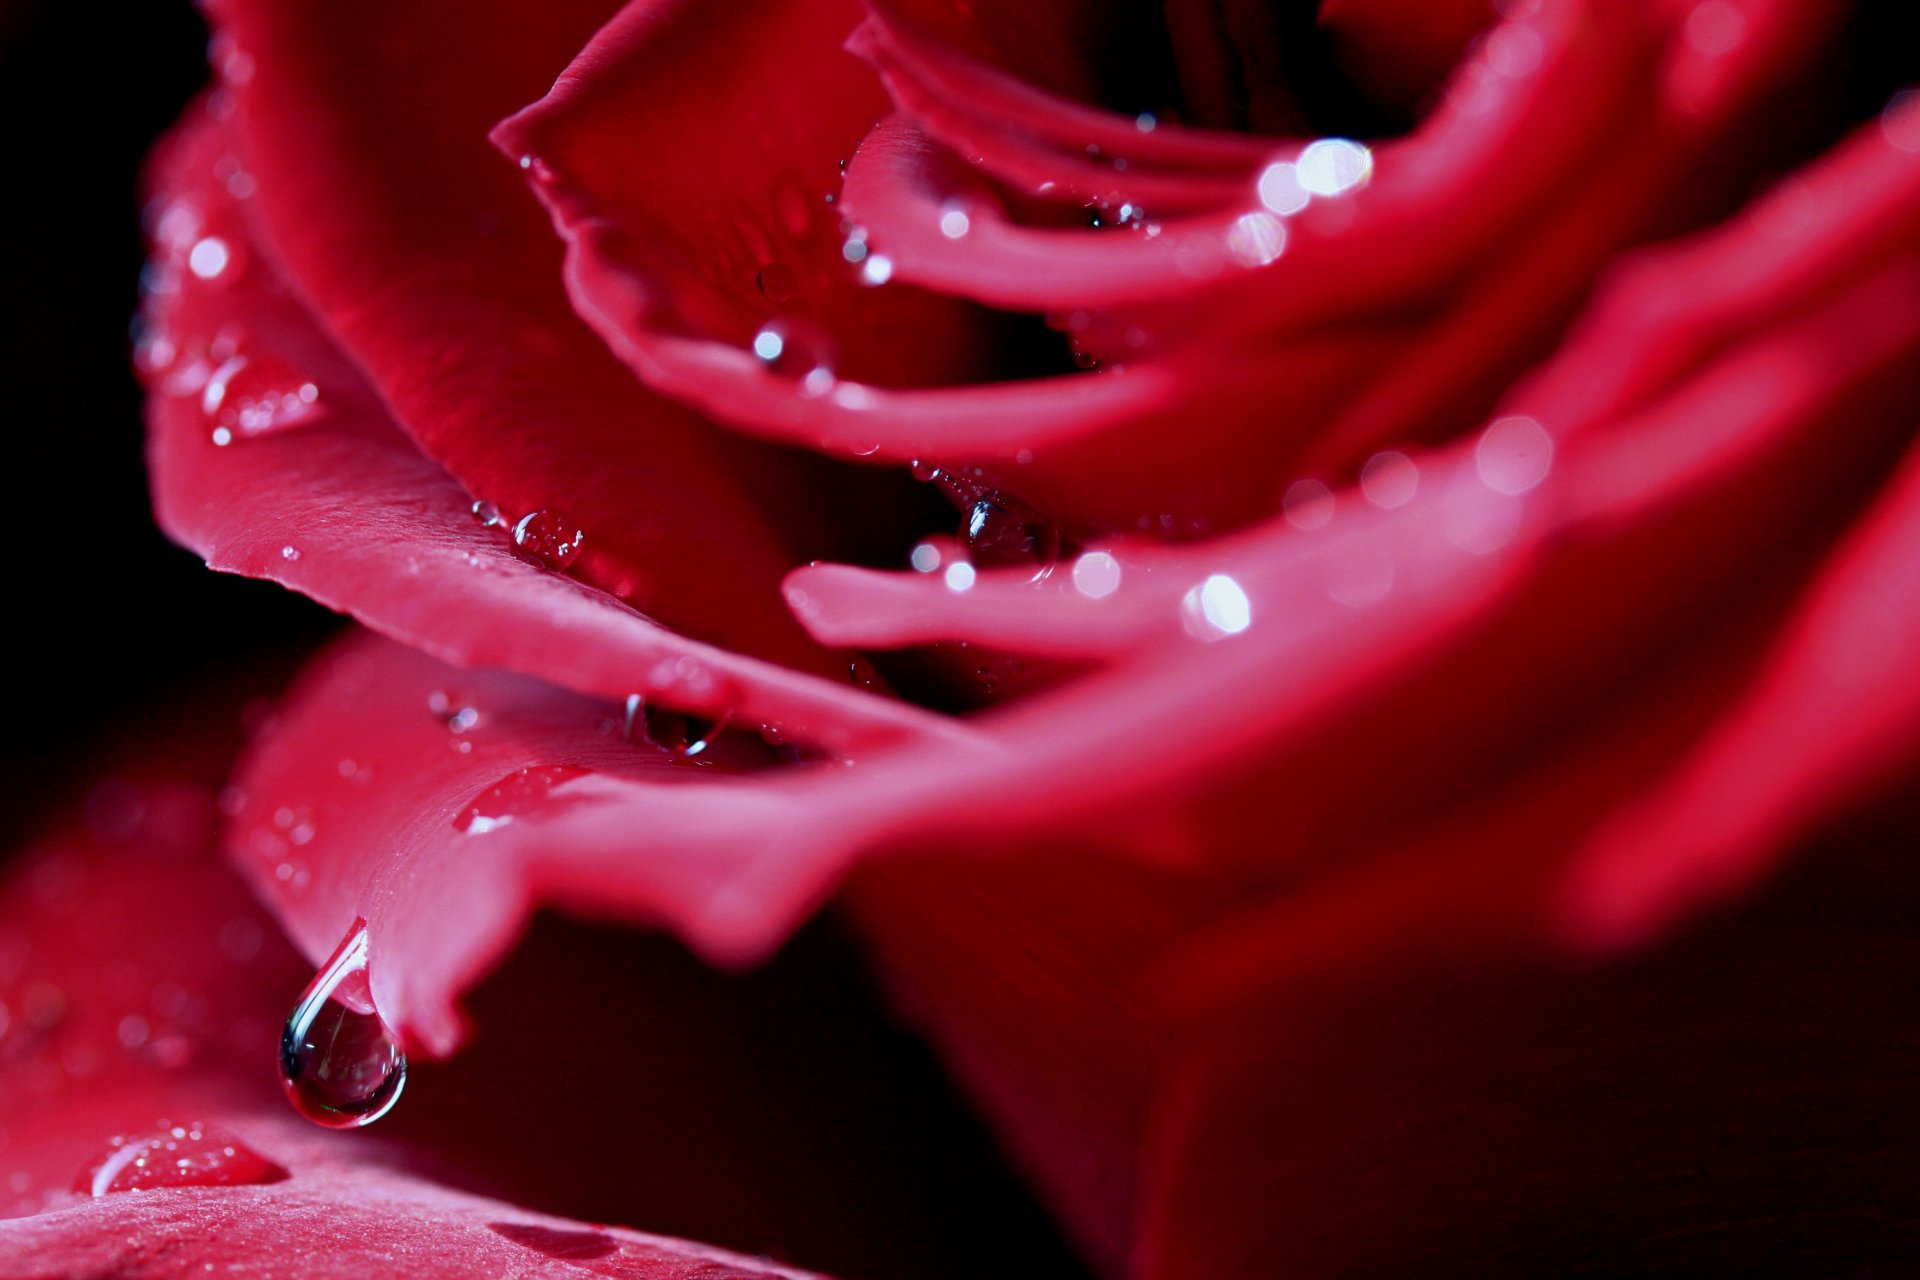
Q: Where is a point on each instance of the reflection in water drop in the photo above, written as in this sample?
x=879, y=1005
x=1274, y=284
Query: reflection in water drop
x=180, y=1155
x=1002, y=530
x=686, y=736
x=340, y=1064
x=550, y=535
x=521, y=793
x=796, y=351
x=252, y=395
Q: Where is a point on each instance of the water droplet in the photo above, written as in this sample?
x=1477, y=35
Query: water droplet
x=290, y=553
x=1126, y=215
x=252, y=395
x=549, y=534
x=954, y=223
x=175, y=1155
x=487, y=514
x=1002, y=530
x=514, y=796
x=877, y=269
x=797, y=351
x=630, y=716
x=777, y=282
x=1146, y=122
x=454, y=712
x=340, y=1064
x=684, y=735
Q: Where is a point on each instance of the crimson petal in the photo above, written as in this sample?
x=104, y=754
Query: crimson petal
x=363, y=134
x=343, y=507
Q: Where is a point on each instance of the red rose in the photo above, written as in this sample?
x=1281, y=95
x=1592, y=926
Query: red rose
x=1312, y=731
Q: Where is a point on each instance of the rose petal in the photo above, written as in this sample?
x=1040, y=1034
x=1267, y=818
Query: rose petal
x=364, y=135
x=343, y=508
x=722, y=193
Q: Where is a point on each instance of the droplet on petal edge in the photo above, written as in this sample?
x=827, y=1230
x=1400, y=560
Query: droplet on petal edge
x=175, y=1155
x=340, y=1064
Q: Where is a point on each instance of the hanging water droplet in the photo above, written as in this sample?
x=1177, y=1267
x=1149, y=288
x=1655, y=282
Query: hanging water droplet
x=797, y=351
x=340, y=1064
x=252, y=395
x=1003, y=530
x=549, y=534
x=487, y=514
x=776, y=281
x=178, y=1155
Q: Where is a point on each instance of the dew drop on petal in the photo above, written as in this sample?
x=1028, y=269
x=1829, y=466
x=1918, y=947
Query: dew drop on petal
x=551, y=536
x=796, y=351
x=487, y=514
x=340, y=1064
x=1001, y=530
x=686, y=736
x=180, y=1155
x=777, y=282
x=252, y=395
x=515, y=796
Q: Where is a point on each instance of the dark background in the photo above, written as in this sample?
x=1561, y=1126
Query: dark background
x=780, y=1110
x=105, y=617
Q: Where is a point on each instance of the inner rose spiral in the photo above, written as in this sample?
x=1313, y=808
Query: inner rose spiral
x=1296, y=569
